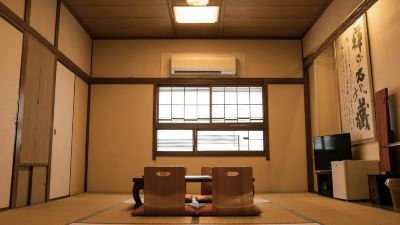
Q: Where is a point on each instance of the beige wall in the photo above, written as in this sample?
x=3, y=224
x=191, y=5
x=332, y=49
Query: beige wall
x=73, y=40
x=120, y=136
x=121, y=141
x=43, y=17
x=288, y=169
x=10, y=65
x=17, y=6
x=333, y=16
x=149, y=58
x=324, y=96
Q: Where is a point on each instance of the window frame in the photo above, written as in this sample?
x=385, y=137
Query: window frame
x=211, y=126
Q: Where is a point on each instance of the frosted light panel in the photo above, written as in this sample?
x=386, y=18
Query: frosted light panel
x=196, y=14
x=174, y=140
x=230, y=141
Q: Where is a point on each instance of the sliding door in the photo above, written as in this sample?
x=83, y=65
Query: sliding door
x=79, y=137
x=60, y=172
x=10, y=65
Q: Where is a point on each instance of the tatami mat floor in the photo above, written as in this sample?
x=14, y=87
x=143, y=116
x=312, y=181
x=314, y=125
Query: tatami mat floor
x=324, y=210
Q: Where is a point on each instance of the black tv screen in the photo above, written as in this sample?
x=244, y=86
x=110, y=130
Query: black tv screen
x=331, y=148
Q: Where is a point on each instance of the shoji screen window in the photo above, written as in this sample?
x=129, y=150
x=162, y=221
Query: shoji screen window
x=210, y=120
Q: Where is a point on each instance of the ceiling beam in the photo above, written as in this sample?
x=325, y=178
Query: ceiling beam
x=221, y=17
x=172, y=18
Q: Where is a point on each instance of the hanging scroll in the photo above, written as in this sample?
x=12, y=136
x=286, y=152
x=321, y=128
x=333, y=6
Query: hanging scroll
x=355, y=83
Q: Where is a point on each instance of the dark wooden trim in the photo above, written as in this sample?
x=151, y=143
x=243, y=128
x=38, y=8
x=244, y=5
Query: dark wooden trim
x=23, y=26
x=309, y=150
x=33, y=164
x=221, y=17
x=359, y=11
x=199, y=38
x=210, y=126
x=266, y=122
x=88, y=124
x=196, y=81
x=87, y=138
x=57, y=27
x=4, y=209
x=155, y=116
x=27, y=13
x=172, y=17
x=19, y=127
x=30, y=185
x=58, y=198
x=213, y=154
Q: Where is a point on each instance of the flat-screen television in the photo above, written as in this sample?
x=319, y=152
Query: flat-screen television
x=331, y=148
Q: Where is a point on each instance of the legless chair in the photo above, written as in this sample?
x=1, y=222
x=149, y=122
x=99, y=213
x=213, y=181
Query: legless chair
x=232, y=192
x=164, y=192
x=206, y=187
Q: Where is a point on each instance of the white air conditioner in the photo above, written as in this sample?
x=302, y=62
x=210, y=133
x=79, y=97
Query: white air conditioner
x=199, y=65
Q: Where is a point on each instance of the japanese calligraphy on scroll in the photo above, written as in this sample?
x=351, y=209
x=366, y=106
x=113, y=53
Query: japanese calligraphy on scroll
x=355, y=84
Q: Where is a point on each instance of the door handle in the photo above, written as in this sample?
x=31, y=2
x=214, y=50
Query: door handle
x=54, y=131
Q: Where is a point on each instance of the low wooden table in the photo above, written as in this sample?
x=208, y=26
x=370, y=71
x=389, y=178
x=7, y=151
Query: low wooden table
x=138, y=184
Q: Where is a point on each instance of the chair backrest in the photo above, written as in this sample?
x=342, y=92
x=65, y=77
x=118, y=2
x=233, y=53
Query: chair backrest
x=232, y=190
x=164, y=190
x=206, y=187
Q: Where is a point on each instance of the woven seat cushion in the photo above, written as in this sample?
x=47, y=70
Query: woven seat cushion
x=207, y=210
x=189, y=211
x=204, y=198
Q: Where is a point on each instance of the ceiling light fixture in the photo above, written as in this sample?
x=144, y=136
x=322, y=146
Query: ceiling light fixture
x=196, y=14
x=197, y=2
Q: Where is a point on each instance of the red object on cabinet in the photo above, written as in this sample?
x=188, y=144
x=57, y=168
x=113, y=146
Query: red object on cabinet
x=383, y=128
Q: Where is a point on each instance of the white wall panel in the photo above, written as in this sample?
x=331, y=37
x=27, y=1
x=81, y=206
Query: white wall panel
x=10, y=65
x=62, y=135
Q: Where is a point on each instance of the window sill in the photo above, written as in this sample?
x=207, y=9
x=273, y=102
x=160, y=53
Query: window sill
x=213, y=154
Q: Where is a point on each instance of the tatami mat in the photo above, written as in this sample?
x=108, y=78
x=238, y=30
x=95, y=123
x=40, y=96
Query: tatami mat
x=322, y=210
x=120, y=214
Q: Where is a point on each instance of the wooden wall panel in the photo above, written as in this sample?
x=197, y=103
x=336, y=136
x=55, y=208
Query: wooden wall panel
x=10, y=65
x=31, y=92
x=73, y=40
x=62, y=138
x=17, y=6
x=38, y=189
x=24, y=175
x=45, y=108
x=43, y=17
x=79, y=138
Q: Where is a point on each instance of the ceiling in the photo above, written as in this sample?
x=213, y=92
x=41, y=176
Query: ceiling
x=237, y=19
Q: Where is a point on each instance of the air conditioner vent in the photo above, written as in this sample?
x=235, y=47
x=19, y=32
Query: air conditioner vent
x=189, y=65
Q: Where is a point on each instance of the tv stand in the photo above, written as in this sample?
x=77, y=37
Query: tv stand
x=324, y=179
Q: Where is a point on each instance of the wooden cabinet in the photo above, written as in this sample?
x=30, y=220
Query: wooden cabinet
x=38, y=104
